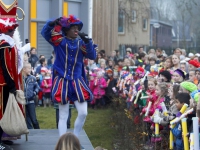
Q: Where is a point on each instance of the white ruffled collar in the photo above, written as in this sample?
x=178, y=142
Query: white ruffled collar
x=7, y=39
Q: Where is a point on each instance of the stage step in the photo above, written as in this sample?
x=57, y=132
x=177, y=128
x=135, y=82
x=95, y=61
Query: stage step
x=46, y=139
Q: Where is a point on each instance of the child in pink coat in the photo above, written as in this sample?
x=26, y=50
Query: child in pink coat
x=46, y=88
x=98, y=86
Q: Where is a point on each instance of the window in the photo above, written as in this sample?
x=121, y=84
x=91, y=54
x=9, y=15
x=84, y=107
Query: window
x=144, y=24
x=133, y=16
x=121, y=22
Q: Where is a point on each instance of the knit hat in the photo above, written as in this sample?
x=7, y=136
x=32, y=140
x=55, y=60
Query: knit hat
x=190, y=55
x=128, y=49
x=180, y=72
x=194, y=63
x=189, y=86
x=166, y=74
x=109, y=71
x=44, y=70
x=195, y=95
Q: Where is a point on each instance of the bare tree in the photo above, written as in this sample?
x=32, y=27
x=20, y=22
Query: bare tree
x=195, y=28
x=163, y=10
x=127, y=7
x=185, y=12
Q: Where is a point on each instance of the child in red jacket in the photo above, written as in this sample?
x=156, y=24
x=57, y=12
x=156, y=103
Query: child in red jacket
x=151, y=92
x=46, y=88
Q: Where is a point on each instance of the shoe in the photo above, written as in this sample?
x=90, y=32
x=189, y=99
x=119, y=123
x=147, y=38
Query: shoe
x=7, y=142
x=5, y=147
x=82, y=148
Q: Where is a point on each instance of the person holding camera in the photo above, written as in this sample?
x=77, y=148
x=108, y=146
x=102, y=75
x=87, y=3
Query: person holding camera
x=33, y=57
x=69, y=80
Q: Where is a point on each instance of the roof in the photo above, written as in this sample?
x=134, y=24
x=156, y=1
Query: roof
x=152, y=21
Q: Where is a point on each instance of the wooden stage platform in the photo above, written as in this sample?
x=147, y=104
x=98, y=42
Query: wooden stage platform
x=46, y=139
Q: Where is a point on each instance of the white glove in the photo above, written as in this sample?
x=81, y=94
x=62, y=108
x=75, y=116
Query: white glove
x=26, y=48
x=21, y=52
x=156, y=119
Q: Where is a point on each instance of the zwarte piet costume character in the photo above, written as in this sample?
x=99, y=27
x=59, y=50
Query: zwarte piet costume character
x=69, y=80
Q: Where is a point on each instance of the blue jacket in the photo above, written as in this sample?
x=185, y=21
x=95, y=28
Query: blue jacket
x=38, y=70
x=31, y=87
x=177, y=132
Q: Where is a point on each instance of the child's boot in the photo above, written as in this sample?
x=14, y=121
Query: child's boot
x=39, y=102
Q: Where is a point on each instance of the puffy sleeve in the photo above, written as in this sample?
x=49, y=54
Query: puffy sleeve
x=52, y=34
x=89, y=50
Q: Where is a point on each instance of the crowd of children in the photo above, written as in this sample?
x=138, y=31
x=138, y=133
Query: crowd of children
x=164, y=88
x=160, y=86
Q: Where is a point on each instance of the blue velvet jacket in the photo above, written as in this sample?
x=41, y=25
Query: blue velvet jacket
x=69, y=79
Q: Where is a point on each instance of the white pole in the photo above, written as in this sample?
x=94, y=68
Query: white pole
x=90, y=15
x=196, y=132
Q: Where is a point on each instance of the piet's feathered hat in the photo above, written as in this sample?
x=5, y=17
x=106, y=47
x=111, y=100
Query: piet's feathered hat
x=8, y=21
x=67, y=22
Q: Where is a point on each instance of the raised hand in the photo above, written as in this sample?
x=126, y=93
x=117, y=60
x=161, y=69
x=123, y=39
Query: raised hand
x=84, y=37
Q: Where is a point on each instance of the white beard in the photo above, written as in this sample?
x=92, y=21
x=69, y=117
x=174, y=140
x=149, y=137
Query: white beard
x=17, y=39
x=21, y=50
